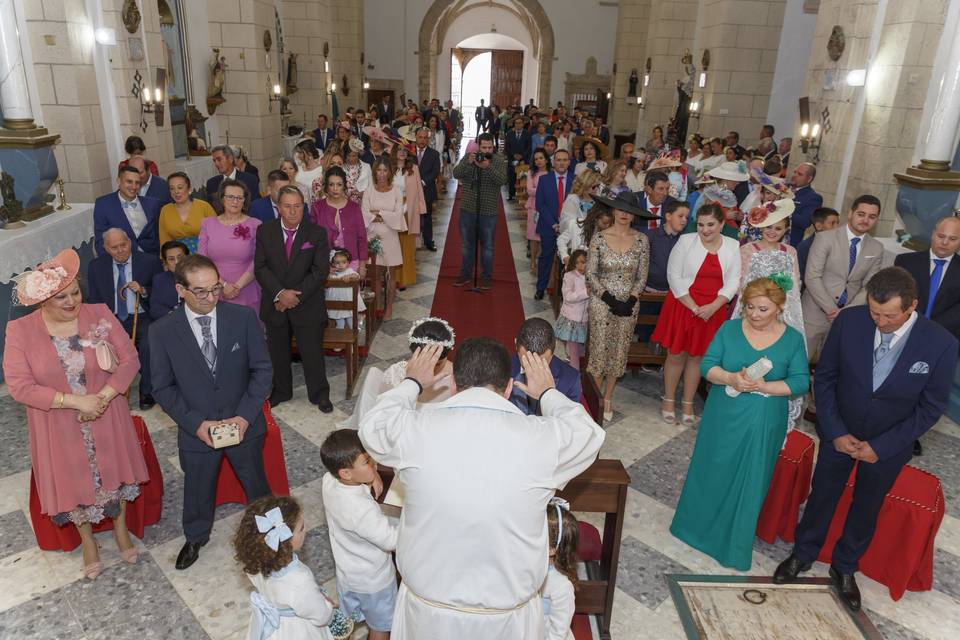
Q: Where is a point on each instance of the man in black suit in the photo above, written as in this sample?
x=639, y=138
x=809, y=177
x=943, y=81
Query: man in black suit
x=225, y=160
x=151, y=186
x=114, y=278
x=517, y=148
x=323, y=134
x=733, y=141
x=482, y=116
x=387, y=110
x=291, y=262
x=938, y=280
x=428, y=160
x=211, y=366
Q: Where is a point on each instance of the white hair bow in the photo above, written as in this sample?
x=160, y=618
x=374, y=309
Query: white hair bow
x=271, y=523
x=560, y=505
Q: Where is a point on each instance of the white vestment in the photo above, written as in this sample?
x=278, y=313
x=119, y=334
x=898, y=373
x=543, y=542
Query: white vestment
x=477, y=475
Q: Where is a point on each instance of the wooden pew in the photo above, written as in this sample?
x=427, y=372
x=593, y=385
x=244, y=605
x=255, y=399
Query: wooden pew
x=601, y=488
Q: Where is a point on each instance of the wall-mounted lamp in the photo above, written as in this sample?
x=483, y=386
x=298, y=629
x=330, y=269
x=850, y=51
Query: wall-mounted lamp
x=640, y=102
x=857, y=77
x=703, y=80
x=609, y=95
x=105, y=36
x=366, y=85
x=150, y=101
x=326, y=66
x=274, y=96
x=333, y=87
x=811, y=133
x=646, y=79
x=695, y=110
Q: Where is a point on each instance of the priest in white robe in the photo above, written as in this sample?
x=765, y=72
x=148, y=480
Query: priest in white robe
x=477, y=476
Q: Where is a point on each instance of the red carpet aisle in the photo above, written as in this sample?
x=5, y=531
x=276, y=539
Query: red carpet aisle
x=497, y=313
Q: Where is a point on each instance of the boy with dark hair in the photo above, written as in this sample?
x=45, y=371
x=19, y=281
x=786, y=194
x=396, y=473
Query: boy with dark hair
x=536, y=336
x=823, y=218
x=163, y=288
x=361, y=537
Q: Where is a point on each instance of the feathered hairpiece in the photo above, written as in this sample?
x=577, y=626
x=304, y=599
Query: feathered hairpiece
x=424, y=340
x=783, y=280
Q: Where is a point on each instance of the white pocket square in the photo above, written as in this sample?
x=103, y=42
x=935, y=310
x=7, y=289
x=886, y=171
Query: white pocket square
x=920, y=367
x=236, y=347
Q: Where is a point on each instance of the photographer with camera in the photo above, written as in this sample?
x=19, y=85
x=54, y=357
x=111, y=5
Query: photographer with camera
x=481, y=174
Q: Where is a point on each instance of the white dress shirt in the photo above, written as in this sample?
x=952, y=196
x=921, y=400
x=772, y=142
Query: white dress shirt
x=135, y=215
x=130, y=296
x=197, y=329
x=946, y=265
x=361, y=536
x=899, y=333
x=146, y=185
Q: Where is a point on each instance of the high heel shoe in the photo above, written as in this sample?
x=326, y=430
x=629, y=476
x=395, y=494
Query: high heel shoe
x=131, y=555
x=92, y=570
x=670, y=417
x=688, y=420
x=607, y=411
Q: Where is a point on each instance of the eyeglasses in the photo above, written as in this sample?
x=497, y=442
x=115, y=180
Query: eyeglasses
x=228, y=196
x=203, y=294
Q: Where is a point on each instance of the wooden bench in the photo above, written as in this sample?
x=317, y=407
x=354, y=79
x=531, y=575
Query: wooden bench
x=346, y=339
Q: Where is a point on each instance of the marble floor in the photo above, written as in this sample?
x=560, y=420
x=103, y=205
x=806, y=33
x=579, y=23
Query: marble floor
x=42, y=594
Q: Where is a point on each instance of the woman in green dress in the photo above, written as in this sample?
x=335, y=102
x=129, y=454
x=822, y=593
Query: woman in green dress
x=740, y=437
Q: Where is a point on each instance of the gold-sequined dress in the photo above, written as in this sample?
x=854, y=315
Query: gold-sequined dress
x=623, y=275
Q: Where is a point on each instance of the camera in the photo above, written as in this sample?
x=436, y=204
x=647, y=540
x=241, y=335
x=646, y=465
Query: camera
x=480, y=157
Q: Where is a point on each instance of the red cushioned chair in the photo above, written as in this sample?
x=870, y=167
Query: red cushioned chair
x=229, y=488
x=789, y=488
x=142, y=512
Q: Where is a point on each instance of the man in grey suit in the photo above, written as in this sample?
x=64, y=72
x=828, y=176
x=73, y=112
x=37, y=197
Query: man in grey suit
x=840, y=263
x=210, y=365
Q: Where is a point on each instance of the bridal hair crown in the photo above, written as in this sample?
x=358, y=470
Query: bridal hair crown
x=449, y=344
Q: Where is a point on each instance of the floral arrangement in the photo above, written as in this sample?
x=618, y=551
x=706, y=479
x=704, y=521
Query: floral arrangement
x=99, y=332
x=449, y=344
x=783, y=280
x=375, y=246
x=241, y=231
x=40, y=284
x=341, y=626
x=759, y=214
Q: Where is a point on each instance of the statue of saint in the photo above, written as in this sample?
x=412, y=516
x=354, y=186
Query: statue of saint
x=685, y=83
x=292, y=74
x=632, y=91
x=218, y=76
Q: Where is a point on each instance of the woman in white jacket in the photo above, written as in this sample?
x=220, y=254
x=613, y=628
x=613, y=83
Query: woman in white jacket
x=704, y=275
x=575, y=209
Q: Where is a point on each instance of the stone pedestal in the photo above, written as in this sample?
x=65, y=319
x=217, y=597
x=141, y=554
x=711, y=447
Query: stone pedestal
x=27, y=156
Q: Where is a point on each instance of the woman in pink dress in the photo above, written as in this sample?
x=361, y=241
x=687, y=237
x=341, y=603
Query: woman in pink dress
x=86, y=460
x=342, y=218
x=229, y=240
x=540, y=164
x=385, y=219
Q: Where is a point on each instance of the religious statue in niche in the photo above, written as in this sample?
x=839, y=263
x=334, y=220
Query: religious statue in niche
x=634, y=79
x=217, y=84
x=677, y=128
x=837, y=43
x=193, y=120
x=685, y=83
x=292, y=74
x=11, y=211
x=130, y=14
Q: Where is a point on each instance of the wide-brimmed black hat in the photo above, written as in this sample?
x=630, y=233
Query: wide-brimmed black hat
x=624, y=201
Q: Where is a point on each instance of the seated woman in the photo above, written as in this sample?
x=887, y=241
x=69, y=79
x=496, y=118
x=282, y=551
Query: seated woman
x=743, y=425
x=181, y=219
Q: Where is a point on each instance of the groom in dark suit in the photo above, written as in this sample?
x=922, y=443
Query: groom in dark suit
x=210, y=365
x=871, y=415
x=291, y=262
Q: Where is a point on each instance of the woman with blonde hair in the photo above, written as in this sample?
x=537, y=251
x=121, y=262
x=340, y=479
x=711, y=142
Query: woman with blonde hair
x=615, y=177
x=407, y=179
x=575, y=209
x=382, y=206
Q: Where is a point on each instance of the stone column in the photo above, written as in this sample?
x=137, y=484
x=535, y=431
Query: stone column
x=14, y=96
x=937, y=149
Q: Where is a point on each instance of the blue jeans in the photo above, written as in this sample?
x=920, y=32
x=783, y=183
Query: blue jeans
x=472, y=227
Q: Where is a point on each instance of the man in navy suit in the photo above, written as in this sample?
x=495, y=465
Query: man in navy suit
x=536, y=336
x=151, y=186
x=126, y=209
x=322, y=135
x=225, y=160
x=805, y=201
x=265, y=209
x=114, y=278
x=938, y=280
x=654, y=198
x=210, y=366
x=871, y=415
x=428, y=161
x=517, y=148
x=163, y=288
x=552, y=190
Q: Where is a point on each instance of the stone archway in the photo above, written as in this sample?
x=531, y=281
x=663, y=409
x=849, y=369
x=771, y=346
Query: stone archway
x=442, y=13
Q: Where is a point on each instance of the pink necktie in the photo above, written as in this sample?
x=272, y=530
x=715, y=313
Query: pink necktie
x=653, y=224
x=288, y=244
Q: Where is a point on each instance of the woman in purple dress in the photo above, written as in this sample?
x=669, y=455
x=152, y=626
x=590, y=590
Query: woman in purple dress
x=228, y=240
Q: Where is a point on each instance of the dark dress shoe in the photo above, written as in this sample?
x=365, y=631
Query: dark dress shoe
x=538, y=295
x=146, y=403
x=431, y=247
x=188, y=554
x=847, y=588
x=789, y=569
x=917, y=448
x=275, y=401
x=325, y=406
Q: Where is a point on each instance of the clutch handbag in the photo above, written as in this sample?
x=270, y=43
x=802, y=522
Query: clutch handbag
x=106, y=356
x=225, y=434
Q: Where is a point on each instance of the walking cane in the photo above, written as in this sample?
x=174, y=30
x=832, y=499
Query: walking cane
x=133, y=333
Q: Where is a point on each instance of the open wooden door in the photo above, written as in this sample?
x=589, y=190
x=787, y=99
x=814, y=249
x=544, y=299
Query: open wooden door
x=506, y=77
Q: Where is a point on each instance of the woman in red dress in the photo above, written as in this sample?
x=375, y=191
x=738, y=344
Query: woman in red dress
x=704, y=274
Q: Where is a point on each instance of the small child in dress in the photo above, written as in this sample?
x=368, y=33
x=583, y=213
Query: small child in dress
x=340, y=269
x=361, y=536
x=266, y=544
x=571, y=325
x=560, y=585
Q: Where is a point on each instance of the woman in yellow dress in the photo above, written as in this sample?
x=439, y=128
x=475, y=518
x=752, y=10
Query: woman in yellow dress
x=180, y=219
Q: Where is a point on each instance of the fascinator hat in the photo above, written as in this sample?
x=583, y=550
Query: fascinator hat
x=356, y=145
x=734, y=171
x=47, y=280
x=770, y=213
x=775, y=184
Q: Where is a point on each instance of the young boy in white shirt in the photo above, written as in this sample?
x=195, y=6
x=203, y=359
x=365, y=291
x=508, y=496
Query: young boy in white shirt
x=361, y=536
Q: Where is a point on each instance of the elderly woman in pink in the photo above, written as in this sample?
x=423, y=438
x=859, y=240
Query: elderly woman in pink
x=69, y=363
